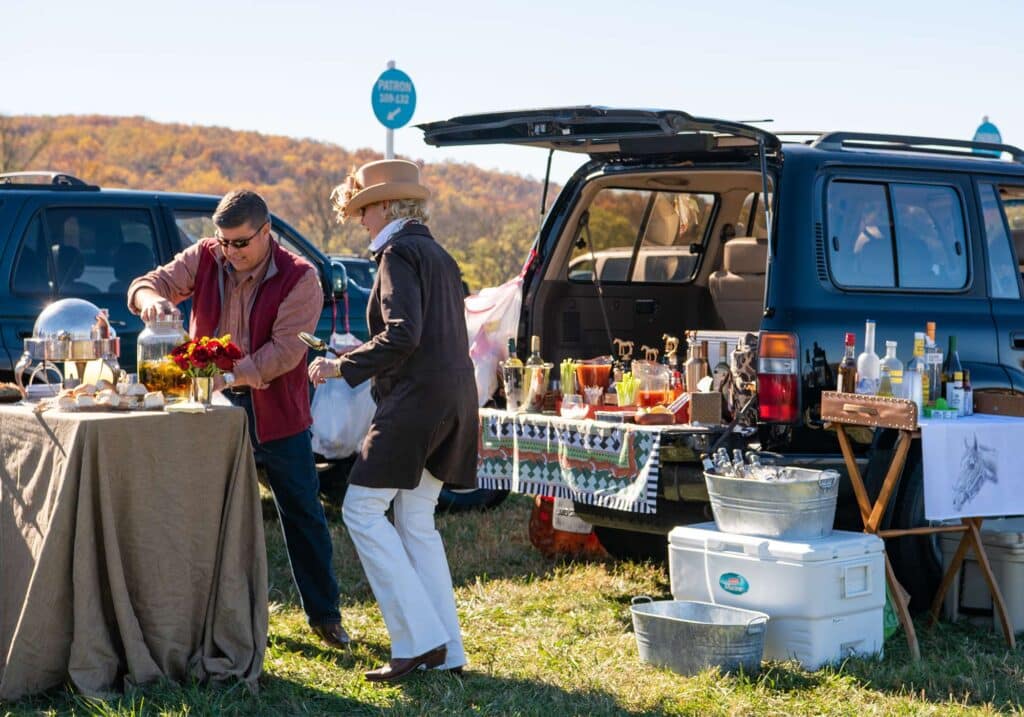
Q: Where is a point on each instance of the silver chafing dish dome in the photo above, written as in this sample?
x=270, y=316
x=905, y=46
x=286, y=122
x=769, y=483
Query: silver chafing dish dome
x=73, y=330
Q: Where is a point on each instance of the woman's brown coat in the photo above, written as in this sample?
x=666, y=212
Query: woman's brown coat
x=418, y=358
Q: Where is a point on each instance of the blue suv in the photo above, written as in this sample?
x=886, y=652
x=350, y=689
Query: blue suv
x=61, y=237
x=676, y=223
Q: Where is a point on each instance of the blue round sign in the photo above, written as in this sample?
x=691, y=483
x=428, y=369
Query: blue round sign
x=393, y=98
x=987, y=132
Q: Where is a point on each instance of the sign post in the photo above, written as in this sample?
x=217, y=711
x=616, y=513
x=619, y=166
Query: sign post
x=987, y=132
x=394, y=100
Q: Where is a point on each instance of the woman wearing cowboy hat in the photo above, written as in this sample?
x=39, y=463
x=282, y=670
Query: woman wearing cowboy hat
x=425, y=428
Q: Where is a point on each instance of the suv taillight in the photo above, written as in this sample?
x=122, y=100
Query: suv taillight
x=778, y=374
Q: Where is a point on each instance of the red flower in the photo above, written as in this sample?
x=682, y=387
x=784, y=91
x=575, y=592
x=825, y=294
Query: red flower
x=233, y=352
x=200, y=356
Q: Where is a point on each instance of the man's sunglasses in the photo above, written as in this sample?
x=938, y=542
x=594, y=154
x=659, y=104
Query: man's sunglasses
x=237, y=243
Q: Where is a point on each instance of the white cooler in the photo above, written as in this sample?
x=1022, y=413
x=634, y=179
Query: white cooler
x=825, y=597
x=969, y=596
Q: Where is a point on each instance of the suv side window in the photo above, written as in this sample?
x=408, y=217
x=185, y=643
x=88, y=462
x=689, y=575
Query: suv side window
x=640, y=236
x=927, y=222
x=860, y=243
x=1002, y=268
x=74, y=252
x=193, y=226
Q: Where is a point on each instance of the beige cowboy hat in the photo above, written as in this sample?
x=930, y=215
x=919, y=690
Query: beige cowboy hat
x=379, y=181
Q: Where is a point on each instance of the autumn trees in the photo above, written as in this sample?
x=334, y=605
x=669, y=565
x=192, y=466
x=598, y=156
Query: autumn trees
x=486, y=219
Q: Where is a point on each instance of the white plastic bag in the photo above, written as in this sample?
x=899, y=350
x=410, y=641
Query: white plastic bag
x=341, y=417
x=492, y=316
x=341, y=414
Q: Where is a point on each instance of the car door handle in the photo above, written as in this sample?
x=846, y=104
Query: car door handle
x=24, y=334
x=645, y=306
x=117, y=322
x=1017, y=339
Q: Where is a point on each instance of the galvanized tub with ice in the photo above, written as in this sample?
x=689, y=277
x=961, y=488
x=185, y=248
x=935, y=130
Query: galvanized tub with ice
x=687, y=636
x=791, y=504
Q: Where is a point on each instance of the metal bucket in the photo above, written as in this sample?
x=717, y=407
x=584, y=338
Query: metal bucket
x=800, y=508
x=687, y=636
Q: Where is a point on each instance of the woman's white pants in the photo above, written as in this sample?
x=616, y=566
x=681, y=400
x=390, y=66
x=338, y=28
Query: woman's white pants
x=406, y=566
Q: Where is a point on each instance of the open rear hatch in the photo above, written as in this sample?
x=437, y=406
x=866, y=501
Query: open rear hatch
x=600, y=131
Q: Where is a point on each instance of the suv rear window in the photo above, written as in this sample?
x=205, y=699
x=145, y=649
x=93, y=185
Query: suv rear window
x=75, y=252
x=640, y=236
x=896, y=236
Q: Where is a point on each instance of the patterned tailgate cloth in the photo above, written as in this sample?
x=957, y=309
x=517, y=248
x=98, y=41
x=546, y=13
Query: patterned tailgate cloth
x=611, y=465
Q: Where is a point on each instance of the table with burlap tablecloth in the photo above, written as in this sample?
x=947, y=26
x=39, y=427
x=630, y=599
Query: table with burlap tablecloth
x=131, y=549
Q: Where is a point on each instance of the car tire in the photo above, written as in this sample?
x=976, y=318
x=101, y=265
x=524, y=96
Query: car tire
x=916, y=559
x=457, y=501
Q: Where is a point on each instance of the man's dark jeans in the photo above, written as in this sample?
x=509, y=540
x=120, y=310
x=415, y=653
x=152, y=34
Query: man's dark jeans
x=291, y=472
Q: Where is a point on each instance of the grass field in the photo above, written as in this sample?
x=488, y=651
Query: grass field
x=555, y=639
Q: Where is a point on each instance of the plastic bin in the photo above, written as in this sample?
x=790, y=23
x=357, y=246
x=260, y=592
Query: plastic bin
x=825, y=597
x=969, y=595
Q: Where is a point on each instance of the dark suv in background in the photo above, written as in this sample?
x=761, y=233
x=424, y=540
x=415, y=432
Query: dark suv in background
x=61, y=237
x=856, y=226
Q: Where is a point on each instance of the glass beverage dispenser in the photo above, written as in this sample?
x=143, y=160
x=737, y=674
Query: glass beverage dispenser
x=157, y=371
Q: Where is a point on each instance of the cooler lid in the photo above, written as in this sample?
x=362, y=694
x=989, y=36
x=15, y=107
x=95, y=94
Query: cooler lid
x=1003, y=532
x=839, y=545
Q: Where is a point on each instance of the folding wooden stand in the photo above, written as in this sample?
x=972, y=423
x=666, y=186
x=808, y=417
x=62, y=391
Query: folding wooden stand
x=899, y=414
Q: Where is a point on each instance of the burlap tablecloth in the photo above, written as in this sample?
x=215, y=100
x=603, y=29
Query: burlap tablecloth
x=131, y=549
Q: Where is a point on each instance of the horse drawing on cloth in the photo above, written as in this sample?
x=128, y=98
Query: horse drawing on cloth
x=977, y=465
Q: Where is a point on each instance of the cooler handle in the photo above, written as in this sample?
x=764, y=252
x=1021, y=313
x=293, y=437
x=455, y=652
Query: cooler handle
x=847, y=592
x=757, y=625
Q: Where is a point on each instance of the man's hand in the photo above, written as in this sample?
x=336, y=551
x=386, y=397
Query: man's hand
x=322, y=369
x=155, y=306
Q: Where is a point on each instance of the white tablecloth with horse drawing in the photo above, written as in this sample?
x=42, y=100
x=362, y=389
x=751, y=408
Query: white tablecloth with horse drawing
x=973, y=466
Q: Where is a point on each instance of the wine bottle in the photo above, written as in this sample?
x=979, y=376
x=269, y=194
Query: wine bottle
x=868, y=364
x=933, y=361
x=848, y=366
x=968, y=394
x=953, y=374
x=534, y=359
x=513, y=360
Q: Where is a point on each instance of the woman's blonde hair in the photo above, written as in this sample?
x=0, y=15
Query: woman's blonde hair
x=406, y=209
x=395, y=209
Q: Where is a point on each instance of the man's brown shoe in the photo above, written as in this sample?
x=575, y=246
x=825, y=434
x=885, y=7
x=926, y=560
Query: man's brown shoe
x=403, y=666
x=333, y=634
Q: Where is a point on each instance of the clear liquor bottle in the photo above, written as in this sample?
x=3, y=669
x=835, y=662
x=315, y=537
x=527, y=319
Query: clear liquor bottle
x=891, y=372
x=868, y=363
x=916, y=378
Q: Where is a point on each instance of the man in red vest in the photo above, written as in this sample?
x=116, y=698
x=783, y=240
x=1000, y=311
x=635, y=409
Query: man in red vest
x=244, y=283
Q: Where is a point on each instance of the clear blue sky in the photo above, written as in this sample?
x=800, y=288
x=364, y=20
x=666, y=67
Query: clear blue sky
x=305, y=68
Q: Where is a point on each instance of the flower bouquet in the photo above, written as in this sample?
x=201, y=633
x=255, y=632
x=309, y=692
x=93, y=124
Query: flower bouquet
x=201, y=359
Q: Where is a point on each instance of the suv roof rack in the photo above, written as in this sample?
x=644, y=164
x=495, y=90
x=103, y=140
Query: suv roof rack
x=37, y=179
x=926, y=145
x=799, y=137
